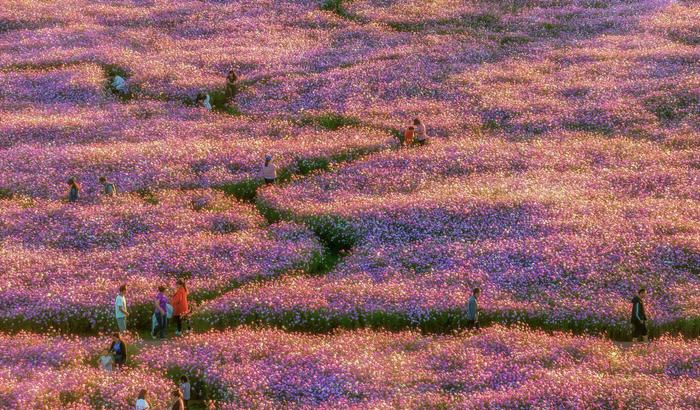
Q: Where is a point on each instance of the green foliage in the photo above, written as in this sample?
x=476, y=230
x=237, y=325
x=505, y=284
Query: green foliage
x=334, y=231
x=148, y=196
x=338, y=7
x=308, y=165
x=244, y=190
x=672, y=106
x=6, y=193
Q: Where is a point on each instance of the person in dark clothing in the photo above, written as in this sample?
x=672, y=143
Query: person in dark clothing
x=74, y=190
x=639, y=317
x=118, y=348
x=472, y=310
x=109, y=189
x=231, y=86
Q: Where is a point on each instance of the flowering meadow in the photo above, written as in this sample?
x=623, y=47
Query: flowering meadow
x=560, y=176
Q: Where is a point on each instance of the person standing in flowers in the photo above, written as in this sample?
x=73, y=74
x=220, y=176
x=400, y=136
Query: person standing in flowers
x=118, y=348
x=269, y=170
x=639, y=317
x=178, y=404
x=73, y=190
x=142, y=401
x=473, y=310
x=231, y=86
x=120, y=310
x=108, y=188
x=420, y=132
x=180, y=305
x=186, y=389
x=161, y=311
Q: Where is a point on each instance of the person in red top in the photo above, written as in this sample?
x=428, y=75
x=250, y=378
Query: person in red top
x=180, y=306
x=408, y=135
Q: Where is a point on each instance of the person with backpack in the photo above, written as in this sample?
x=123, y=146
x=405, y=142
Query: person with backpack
x=180, y=305
x=108, y=188
x=74, y=190
x=118, y=348
x=639, y=317
x=120, y=309
x=473, y=310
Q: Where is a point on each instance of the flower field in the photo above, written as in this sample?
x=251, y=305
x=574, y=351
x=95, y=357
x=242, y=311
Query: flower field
x=560, y=176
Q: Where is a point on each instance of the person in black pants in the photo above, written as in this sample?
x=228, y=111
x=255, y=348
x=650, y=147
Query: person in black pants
x=118, y=348
x=639, y=317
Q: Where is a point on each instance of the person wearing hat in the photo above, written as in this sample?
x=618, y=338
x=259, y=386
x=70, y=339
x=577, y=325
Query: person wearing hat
x=269, y=170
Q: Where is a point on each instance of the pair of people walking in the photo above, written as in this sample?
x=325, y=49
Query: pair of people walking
x=108, y=188
x=163, y=311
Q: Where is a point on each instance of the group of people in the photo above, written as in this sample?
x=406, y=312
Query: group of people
x=640, y=331
x=180, y=396
x=108, y=188
x=415, y=134
x=204, y=99
x=176, y=308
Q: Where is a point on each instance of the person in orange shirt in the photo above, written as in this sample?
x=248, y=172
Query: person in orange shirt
x=408, y=135
x=180, y=306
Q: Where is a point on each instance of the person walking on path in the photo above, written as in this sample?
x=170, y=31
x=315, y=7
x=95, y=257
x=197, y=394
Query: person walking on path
x=118, y=348
x=141, y=402
x=420, y=132
x=639, y=317
x=231, y=86
x=186, y=389
x=74, y=190
x=180, y=305
x=473, y=310
x=269, y=170
x=178, y=404
x=108, y=188
x=161, y=310
x=120, y=309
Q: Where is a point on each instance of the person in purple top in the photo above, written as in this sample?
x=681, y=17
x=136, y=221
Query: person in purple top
x=161, y=305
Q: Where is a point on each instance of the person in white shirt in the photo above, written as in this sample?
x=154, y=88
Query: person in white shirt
x=119, y=84
x=120, y=309
x=186, y=389
x=204, y=99
x=141, y=403
x=106, y=361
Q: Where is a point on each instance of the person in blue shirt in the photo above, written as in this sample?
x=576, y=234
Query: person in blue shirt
x=118, y=348
x=473, y=310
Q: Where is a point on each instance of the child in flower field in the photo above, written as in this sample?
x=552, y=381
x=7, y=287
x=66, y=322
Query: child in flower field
x=118, y=348
x=639, y=317
x=141, y=402
x=120, y=85
x=180, y=306
x=186, y=389
x=106, y=361
x=269, y=170
x=108, y=188
x=420, y=132
x=73, y=191
x=204, y=100
x=408, y=135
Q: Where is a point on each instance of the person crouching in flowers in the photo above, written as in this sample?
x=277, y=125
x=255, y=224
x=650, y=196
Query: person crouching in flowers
x=473, y=310
x=180, y=306
x=108, y=188
x=178, y=403
x=269, y=170
x=639, y=317
x=204, y=100
x=118, y=348
x=73, y=190
x=106, y=361
x=408, y=135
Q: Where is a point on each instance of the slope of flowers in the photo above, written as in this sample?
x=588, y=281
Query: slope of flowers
x=46, y=372
x=77, y=256
x=558, y=231
x=498, y=368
